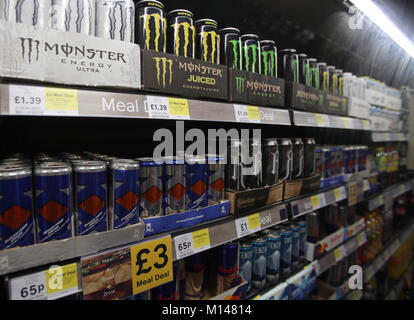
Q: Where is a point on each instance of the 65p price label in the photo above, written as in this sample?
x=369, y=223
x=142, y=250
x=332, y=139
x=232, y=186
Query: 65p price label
x=191, y=243
x=29, y=287
x=151, y=264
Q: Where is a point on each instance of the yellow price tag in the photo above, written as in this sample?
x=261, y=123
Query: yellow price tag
x=337, y=194
x=253, y=113
x=360, y=238
x=356, y=295
x=201, y=238
x=319, y=119
x=365, y=124
x=380, y=200
x=254, y=221
x=337, y=254
x=178, y=107
x=61, y=99
x=346, y=122
x=352, y=193
x=61, y=278
x=379, y=263
x=151, y=264
x=315, y=201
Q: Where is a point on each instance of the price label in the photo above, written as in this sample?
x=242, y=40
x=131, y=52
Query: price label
x=386, y=136
x=402, y=189
x=248, y=225
x=61, y=101
x=26, y=100
x=315, y=202
x=319, y=119
x=179, y=108
x=151, y=264
x=61, y=281
x=355, y=294
x=245, y=113
x=254, y=222
x=253, y=113
x=352, y=193
x=378, y=263
x=158, y=107
x=380, y=200
x=338, y=254
x=191, y=243
x=361, y=238
x=201, y=239
x=337, y=193
x=30, y=287
x=368, y=273
x=365, y=124
x=366, y=185
x=346, y=123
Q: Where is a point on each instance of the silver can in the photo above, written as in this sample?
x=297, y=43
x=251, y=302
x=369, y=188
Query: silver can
x=175, y=185
x=215, y=174
x=31, y=12
x=74, y=15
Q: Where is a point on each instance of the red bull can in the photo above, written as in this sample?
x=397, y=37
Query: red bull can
x=123, y=193
x=194, y=280
x=197, y=184
x=90, y=184
x=312, y=221
x=319, y=161
x=350, y=156
x=151, y=188
x=339, y=156
x=16, y=206
x=327, y=160
x=175, y=185
x=215, y=174
x=362, y=158
x=227, y=267
x=53, y=202
x=167, y=291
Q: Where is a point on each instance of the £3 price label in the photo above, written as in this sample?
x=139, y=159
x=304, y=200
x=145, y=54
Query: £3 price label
x=151, y=264
x=191, y=243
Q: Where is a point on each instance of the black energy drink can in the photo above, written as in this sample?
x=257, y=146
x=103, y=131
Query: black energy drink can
x=298, y=158
x=312, y=221
x=255, y=177
x=309, y=157
x=181, y=33
x=314, y=73
x=340, y=77
x=289, y=65
x=323, y=77
x=270, y=162
x=333, y=80
x=304, y=69
x=268, y=51
x=234, y=179
x=251, y=53
x=207, y=40
x=285, y=158
x=230, y=48
x=150, y=25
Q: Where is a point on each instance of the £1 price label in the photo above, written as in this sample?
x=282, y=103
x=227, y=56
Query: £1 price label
x=151, y=264
x=315, y=202
x=29, y=287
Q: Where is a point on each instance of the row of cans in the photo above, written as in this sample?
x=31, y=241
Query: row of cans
x=53, y=198
x=272, y=254
x=333, y=161
x=338, y=273
x=268, y=161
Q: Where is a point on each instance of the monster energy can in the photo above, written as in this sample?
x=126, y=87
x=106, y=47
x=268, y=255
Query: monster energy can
x=314, y=73
x=230, y=48
x=323, y=77
x=270, y=162
x=340, y=76
x=289, y=65
x=255, y=176
x=309, y=156
x=251, y=53
x=333, y=80
x=234, y=178
x=150, y=25
x=208, y=41
x=285, y=158
x=181, y=33
x=29, y=12
x=115, y=19
x=304, y=69
x=74, y=15
x=298, y=158
x=269, y=58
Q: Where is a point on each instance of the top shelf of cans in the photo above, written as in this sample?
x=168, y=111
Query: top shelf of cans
x=101, y=41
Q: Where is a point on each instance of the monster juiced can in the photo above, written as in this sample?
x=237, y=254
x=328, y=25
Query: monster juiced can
x=151, y=25
x=340, y=76
x=207, y=41
x=115, y=19
x=333, y=80
x=323, y=77
x=289, y=65
x=36, y=13
x=230, y=48
x=74, y=15
x=314, y=73
x=181, y=33
x=268, y=51
x=251, y=53
x=304, y=69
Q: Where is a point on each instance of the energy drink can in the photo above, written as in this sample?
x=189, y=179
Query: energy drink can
x=255, y=177
x=196, y=182
x=286, y=251
x=331, y=218
x=167, y=291
x=151, y=188
x=90, y=182
x=150, y=25
x=295, y=246
x=195, y=266
x=227, y=267
x=350, y=157
x=289, y=65
x=230, y=48
x=251, y=53
x=208, y=41
x=53, y=202
x=304, y=69
x=302, y=239
x=362, y=158
x=323, y=77
x=318, y=161
x=181, y=33
x=270, y=162
x=326, y=162
x=340, y=77
x=273, y=242
x=285, y=158
x=115, y=19
x=268, y=51
x=74, y=15
x=334, y=164
x=123, y=193
x=309, y=157
x=174, y=185
x=215, y=174
x=339, y=155
x=312, y=221
x=314, y=73
x=298, y=158
x=234, y=178
x=333, y=80
x=16, y=206
x=34, y=13
x=246, y=262
x=259, y=248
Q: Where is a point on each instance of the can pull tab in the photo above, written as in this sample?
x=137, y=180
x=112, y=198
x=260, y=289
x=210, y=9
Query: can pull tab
x=301, y=165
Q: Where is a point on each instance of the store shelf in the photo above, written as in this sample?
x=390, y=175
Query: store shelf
x=317, y=201
x=110, y=104
x=307, y=119
x=388, y=137
x=17, y=259
x=387, y=196
x=354, y=295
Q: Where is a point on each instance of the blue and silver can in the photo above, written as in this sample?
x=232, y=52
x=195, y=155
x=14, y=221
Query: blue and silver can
x=215, y=174
x=273, y=242
x=302, y=240
x=259, y=247
x=286, y=251
x=174, y=185
x=246, y=262
x=197, y=184
x=295, y=246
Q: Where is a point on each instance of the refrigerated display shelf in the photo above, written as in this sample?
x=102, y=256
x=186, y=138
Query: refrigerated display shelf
x=387, y=196
x=388, y=137
x=308, y=119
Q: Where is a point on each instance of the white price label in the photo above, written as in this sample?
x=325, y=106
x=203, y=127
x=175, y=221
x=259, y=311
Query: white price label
x=245, y=113
x=361, y=238
x=30, y=287
x=322, y=200
x=322, y=120
x=339, y=253
x=26, y=100
x=158, y=107
x=191, y=243
x=367, y=187
x=248, y=225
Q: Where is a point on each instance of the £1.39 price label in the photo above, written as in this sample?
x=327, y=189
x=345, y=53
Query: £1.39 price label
x=245, y=113
x=151, y=264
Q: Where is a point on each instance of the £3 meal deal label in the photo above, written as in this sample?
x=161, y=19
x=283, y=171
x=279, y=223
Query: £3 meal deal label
x=151, y=264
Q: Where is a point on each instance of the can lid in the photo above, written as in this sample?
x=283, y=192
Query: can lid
x=302, y=55
x=323, y=64
x=297, y=140
x=229, y=30
x=178, y=11
x=89, y=166
x=8, y=171
x=52, y=168
x=267, y=43
x=339, y=70
x=124, y=164
x=249, y=35
x=285, y=141
x=331, y=67
x=151, y=3
x=270, y=142
x=148, y=162
x=206, y=21
x=313, y=60
x=309, y=140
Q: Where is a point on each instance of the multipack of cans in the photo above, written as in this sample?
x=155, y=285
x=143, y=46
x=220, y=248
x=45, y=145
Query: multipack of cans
x=58, y=197
x=271, y=160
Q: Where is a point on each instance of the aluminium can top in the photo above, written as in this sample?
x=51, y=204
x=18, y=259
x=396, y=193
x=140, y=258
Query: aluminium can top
x=267, y=43
x=230, y=30
x=124, y=164
x=151, y=3
x=210, y=22
x=89, y=166
x=52, y=168
x=250, y=36
x=10, y=171
x=178, y=11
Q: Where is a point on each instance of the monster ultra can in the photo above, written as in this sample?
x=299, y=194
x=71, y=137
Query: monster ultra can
x=74, y=15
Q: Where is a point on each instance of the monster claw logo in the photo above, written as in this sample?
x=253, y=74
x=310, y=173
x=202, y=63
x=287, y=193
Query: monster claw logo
x=32, y=45
x=254, y=49
x=269, y=56
x=295, y=70
x=162, y=63
x=123, y=17
x=236, y=44
x=186, y=28
x=214, y=39
x=157, y=22
x=240, y=85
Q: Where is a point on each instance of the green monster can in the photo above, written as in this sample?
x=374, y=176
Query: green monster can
x=231, y=48
x=251, y=53
x=323, y=76
x=289, y=65
x=314, y=73
x=269, y=58
x=181, y=33
x=207, y=40
x=333, y=80
x=150, y=25
x=304, y=72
